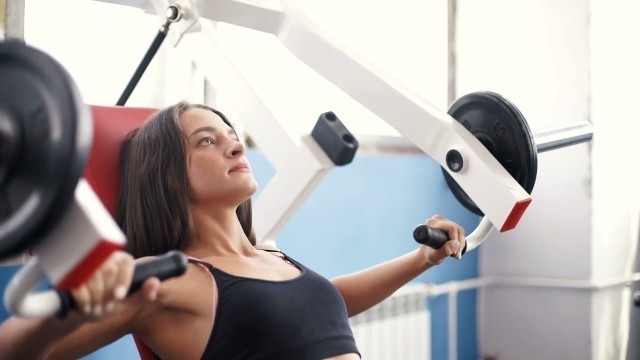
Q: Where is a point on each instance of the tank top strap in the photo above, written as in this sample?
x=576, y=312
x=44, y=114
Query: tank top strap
x=205, y=264
x=286, y=258
x=219, y=277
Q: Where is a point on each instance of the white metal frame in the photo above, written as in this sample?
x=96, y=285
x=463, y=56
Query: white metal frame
x=490, y=186
x=84, y=237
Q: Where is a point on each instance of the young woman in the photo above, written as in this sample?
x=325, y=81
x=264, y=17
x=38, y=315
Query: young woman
x=186, y=185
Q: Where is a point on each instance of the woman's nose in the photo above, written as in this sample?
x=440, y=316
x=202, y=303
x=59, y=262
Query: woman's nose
x=236, y=149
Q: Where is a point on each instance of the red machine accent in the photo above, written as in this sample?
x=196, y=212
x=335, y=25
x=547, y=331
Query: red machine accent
x=515, y=215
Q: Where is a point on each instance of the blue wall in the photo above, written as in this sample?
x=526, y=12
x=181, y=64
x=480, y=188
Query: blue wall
x=5, y=276
x=363, y=214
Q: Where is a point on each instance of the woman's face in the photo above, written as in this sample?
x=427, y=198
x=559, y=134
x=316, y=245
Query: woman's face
x=217, y=168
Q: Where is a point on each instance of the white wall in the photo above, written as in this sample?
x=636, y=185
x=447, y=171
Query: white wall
x=536, y=53
x=101, y=45
x=562, y=62
x=105, y=44
x=405, y=39
x=615, y=59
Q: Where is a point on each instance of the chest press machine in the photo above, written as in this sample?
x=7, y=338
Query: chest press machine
x=484, y=145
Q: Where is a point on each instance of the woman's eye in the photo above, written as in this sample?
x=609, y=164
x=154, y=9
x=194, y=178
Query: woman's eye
x=207, y=141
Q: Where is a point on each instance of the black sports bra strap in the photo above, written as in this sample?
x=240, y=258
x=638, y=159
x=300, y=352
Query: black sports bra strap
x=200, y=262
x=284, y=257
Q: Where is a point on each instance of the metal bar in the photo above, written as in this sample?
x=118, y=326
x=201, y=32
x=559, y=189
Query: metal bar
x=14, y=18
x=452, y=17
x=452, y=319
x=565, y=136
x=144, y=63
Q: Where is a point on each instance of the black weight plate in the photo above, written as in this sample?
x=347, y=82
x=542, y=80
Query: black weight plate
x=502, y=129
x=47, y=152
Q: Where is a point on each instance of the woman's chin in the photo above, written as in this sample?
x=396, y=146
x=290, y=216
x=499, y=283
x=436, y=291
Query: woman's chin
x=253, y=188
x=248, y=193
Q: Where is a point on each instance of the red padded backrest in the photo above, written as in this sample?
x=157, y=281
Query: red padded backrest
x=111, y=124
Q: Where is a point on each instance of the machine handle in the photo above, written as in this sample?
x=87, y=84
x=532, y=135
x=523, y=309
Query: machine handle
x=171, y=264
x=432, y=237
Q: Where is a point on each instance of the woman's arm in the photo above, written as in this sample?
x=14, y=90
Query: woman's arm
x=366, y=288
x=52, y=338
x=33, y=339
x=98, y=331
x=139, y=314
x=102, y=315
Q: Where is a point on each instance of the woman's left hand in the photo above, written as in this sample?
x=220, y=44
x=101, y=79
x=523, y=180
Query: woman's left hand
x=452, y=247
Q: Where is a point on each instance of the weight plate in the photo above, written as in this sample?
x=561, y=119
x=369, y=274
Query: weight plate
x=502, y=129
x=45, y=137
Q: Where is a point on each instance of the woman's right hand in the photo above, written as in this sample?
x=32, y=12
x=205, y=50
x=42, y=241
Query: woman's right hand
x=453, y=247
x=107, y=289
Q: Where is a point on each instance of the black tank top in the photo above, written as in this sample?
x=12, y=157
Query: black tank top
x=302, y=318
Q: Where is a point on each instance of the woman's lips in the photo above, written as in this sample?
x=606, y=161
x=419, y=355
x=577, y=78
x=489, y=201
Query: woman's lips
x=241, y=168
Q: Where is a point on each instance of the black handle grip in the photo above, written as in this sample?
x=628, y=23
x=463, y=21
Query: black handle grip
x=171, y=264
x=432, y=237
x=636, y=298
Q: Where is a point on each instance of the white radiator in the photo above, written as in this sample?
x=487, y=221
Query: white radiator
x=396, y=329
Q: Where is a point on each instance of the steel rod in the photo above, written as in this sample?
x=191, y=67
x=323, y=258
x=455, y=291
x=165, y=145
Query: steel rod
x=570, y=135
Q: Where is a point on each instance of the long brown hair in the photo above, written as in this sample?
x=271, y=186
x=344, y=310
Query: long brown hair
x=153, y=205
